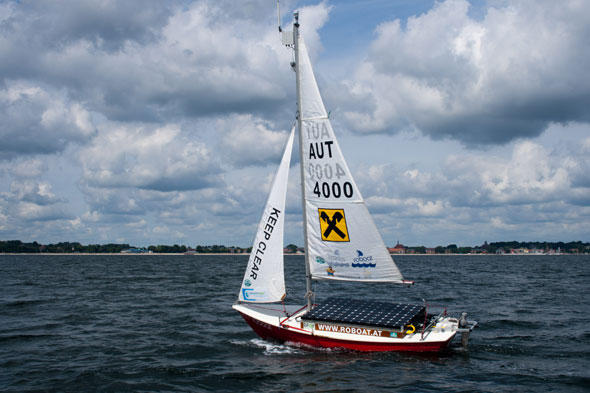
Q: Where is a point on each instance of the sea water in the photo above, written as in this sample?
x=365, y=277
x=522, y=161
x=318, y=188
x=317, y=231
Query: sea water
x=164, y=323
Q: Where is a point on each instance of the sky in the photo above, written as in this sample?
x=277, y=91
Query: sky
x=150, y=122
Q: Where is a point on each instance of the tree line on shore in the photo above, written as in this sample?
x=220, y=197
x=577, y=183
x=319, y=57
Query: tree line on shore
x=17, y=246
x=574, y=247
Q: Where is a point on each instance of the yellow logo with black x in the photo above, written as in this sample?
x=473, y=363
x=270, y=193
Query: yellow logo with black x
x=333, y=225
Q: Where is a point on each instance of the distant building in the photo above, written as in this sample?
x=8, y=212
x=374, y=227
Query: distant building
x=291, y=249
x=134, y=251
x=430, y=251
x=519, y=251
x=398, y=249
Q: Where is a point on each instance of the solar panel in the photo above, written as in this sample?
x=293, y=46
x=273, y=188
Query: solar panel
x=363, y=312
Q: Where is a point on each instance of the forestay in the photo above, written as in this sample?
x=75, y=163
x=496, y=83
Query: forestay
x=264, y=280
x=342, y=239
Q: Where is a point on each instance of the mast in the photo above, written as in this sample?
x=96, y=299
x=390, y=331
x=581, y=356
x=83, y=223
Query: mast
x=308, y=290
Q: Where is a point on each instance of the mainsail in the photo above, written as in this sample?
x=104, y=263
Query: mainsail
x=264, y=280
x=343, y=242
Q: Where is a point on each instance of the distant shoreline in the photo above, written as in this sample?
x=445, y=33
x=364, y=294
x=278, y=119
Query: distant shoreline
x=129, y=254
x=247, y=254
x=120, y=253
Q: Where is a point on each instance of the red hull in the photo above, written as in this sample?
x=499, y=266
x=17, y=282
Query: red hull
x=267, y=331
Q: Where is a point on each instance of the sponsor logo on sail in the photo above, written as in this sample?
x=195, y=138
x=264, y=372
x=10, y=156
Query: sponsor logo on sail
x=363, y=261
x=332, y=260
x=248, y=283
x=249, y=295
x=333, y=225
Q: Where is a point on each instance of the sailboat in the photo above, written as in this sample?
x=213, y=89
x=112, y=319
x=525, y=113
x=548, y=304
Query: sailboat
x=341, y=243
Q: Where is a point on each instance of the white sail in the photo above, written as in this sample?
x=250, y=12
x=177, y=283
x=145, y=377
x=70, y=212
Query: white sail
x=264, y=280
x=342, y=239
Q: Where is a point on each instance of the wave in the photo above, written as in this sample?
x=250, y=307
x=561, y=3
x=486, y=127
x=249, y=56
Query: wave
x=270, y=348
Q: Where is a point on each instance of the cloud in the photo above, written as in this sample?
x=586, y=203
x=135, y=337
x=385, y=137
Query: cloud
x=35, y=120
x=489, y=81
x=532, y=174
x=532, y=192
x=118, y=205
x=407, y=207
x=528, y=177
x=31, y=201
x=312, y=18
x=105, y=23
x=33, y=212
x=580, y=169
x=151, y=158
x=246, y=140
x=28, y=168
x=39, y=193
x=148, y=61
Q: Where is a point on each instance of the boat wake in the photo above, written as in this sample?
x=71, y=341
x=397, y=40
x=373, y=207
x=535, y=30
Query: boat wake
x=269, y=347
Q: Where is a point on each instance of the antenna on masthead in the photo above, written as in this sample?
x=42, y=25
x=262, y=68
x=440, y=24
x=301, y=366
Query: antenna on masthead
x=279, y=16
x=286, y=36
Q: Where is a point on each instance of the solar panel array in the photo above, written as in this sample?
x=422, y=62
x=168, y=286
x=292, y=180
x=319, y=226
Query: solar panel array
x=363, y=312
